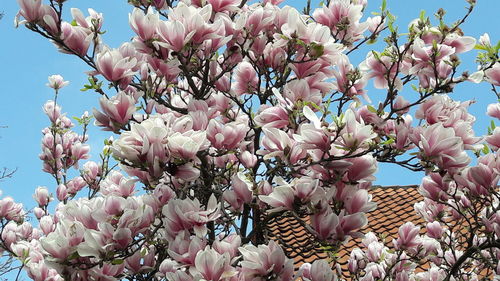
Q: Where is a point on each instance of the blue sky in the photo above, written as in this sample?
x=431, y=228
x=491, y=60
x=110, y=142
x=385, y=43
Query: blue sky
x=28, y=59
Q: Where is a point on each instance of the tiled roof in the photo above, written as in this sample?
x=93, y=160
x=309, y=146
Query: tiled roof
x=394, y=208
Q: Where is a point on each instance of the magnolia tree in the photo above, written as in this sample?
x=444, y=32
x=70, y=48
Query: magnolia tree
x=226, y=114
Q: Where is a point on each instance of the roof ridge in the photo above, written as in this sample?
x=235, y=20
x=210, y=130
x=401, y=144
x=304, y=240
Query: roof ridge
x=394, y=186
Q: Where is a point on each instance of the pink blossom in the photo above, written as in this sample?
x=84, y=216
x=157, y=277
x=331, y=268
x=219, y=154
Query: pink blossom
x=278, y=144
x=434, y=230
x=186, y=145
x=173, y=35
x=494, y=110
x=375, y=24
x=263, y=260
x=275, y=117
x=435, y=187
x=494, y=139
x=117, y=111
x=360, y=202
x=42, y=196
x=212, y=265
x=320, y=270
x=246, y=81
x=355, y=134
x=340, y=13
x=461, y=44
x=226, y=136
x=348, y=80
x=114, y=66
x=30, y=9
x=229, y=244
x=77, y=38
x=187, y=214
x=441, y=146
x=11, y=210
x=408, y=236
x=57, y=82
x=144, y=25
x=383, y=70
x=93, y=22
x=441, y=108
x=282, y=197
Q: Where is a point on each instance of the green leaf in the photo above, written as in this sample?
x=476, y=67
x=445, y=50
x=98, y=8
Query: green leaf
x=372, y=109
x=389, y=141
x=317, y=50
x=497, y=46
x=73, y=23
x=485, y=149
x=384, y=5
x=117, y=261
x=422, y=15
x=480, y=47
x=74, y=255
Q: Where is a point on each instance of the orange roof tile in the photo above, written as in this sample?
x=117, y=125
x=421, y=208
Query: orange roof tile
x=394, y=208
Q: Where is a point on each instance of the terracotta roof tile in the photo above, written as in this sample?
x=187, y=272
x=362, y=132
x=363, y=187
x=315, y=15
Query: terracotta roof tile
x=394, y=207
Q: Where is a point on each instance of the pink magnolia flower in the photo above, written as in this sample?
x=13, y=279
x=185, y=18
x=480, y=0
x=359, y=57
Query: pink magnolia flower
x=187, y=214
x=11, y=210
x=359, y=202
x=435, y=187
x=114, y=66
x=320, y=270
x=212, y=265
x=229, y=244
x=340, y=13
x=362, y=169
x=494, y=139
x=278, y=144
x=144, y=142
x=494, y=110
x=325, y=223
x=56, y=82
x=461, y=44
x=274, y=117
x=383, y=69
x=42, y=196
x=246, y=81
x=434, y=230
x=117, y=111
x=257, y=20
x=348, y=80
x=263, y=260
x=441, y=108
x=375, y=24
x=116, y=184
x=248, y=159
x=30, y=10
x=355, y=134
x=77, y=38
x=441, y=146
x=144, y=25
x=185, y=146
x=226, y=136
x=224, y=5
x=173, y=35
x=282, y=197
x=408, y=236
x=93, y=22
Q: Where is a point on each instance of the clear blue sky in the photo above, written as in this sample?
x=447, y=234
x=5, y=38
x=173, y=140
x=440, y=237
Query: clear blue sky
x=27, y=60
